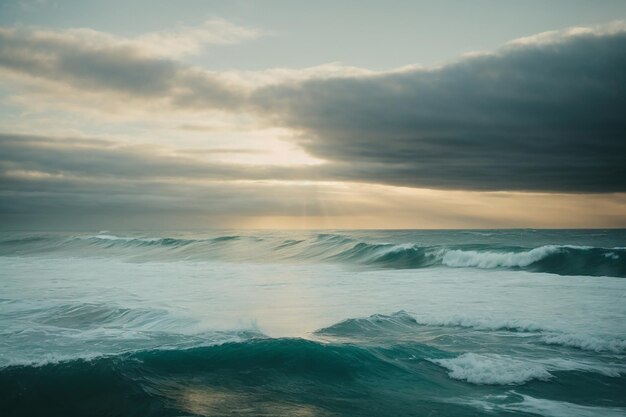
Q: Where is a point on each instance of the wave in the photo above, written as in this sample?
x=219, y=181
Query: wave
x=586, y=342
x=484, y=368
x=564, y=260
x=544, y=407
x=381, y=325
x=141, y=241
x=493, y=369
x=215, y=380
x=403, y=256
x=328, y=247
x=402, y=321
x=223, y=378
x=483, y=323
x=257, y=375
x=490, y=260
x=93, y=316
x=376, y=325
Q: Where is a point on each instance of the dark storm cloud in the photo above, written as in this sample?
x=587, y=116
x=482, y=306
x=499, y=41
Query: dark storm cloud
x=545, y=116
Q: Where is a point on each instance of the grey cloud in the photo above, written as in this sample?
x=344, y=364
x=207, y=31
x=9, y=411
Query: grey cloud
x=78, y=202
x=58, y=176
x=86, y=183
x=543, y=116
x=60, y=194
x=62, y=179
x=103, y=158
x=102, y=65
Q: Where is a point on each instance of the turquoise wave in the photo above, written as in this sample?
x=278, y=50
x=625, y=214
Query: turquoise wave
x=329, y=247
x=284, y=377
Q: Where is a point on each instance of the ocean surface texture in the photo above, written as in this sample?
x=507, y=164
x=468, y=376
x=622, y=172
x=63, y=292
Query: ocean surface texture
x=342, y=323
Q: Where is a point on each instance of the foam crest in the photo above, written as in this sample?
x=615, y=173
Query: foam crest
x=376, y=324
x=586, y=342
x=483, y=323
x=552, y=408
x=336, y=248
x=492, y=369
x=487, y=260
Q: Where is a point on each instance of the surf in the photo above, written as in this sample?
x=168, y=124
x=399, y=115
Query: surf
x=330, y=248
x=262, y=374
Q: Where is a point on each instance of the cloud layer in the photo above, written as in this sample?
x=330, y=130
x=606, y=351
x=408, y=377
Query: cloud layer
x=75, y=62
x=542, y=114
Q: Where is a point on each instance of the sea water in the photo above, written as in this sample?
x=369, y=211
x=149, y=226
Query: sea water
x=333, y=323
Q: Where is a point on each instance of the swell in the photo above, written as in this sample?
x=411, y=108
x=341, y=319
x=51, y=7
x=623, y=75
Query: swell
x=379, y=326
x=327, y=247
x=562, y=260
x=380, y=367
x=271, y=374
x=161, y=382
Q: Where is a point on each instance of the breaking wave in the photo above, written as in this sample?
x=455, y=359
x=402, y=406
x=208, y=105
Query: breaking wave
x=492, y=369
x=161, y=382
x=258, y=375
x=401, y=322
x=266, y=373
x=328, y=247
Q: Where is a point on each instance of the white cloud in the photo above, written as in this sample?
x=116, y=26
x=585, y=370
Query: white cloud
x=557, y=36
x=187, y=40
x=171, y=43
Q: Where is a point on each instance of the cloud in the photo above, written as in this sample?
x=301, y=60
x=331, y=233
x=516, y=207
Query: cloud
x=78, y=62
x=28, y=156
x=187, y=40
x=96, y=71
x=172, y=43
x=78, y=182
x=62, y=179
x=543, y=114
x=73, y=201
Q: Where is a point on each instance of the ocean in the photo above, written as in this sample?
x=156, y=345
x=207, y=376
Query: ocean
x=313, y=323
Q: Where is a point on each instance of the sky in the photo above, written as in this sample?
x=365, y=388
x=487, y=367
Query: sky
x=293, y=114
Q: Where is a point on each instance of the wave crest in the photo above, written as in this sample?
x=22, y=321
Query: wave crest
x=492, y=369
x=558, y=259
x=489, y=260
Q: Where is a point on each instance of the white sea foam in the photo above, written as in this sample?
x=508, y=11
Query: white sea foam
x=487, y=260
x=586, y=342
x=483, y=323
x=220, y=295
x=492, y=369
x=106, y=236
x=551, y=408
x=401, y=247
x=549, y=335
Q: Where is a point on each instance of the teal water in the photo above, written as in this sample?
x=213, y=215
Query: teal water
x=342, y=323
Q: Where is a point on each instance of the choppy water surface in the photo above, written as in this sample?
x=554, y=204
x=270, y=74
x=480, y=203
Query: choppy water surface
x=342, y=323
